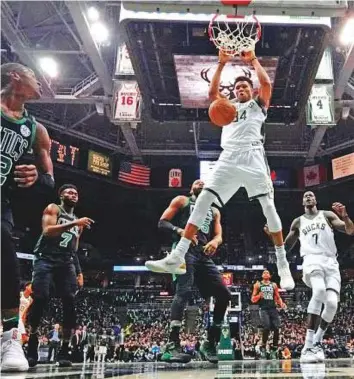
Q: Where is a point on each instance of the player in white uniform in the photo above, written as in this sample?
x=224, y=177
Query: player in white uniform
x=320, y=268
x=242, y=163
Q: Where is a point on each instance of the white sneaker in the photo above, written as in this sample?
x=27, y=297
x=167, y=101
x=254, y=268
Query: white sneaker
x=318, y=349
x=12, y=355
x=286, y=280
x=174, y=263
x=308, y=356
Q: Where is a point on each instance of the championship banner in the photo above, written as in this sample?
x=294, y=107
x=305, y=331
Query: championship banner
x=325, y=69
x=126, y=101
x=320, y=105
x=228, y=278
x=124, y=65
x=175, y=178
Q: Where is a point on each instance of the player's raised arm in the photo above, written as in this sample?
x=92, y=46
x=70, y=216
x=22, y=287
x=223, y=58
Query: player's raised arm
x=214, y=92
x=344, y=223
x=293, y=235
x=265, y=89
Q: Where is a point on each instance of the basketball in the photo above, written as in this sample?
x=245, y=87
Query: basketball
x=222, y=112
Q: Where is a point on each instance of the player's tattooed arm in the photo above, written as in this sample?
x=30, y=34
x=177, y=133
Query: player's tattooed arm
x=211, y=247
x=293, y=235
x=343, y=224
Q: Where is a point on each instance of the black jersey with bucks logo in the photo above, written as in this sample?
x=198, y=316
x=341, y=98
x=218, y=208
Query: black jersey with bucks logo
x=17, y=136
x=60, y=248
x=268, y=295
x=205, y=231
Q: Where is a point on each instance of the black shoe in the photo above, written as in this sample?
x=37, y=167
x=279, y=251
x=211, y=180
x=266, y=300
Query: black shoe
x=208, y=350
x=173, y=354
x=32, y=350
x=63, y=358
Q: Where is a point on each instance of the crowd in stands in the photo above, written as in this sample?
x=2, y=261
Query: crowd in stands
x=133, y=326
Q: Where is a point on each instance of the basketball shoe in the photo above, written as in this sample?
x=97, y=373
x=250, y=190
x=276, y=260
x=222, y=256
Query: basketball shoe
x=286, y=280
x=173, y=354
x=308, y=356
x=12, y=355
x=173, y=263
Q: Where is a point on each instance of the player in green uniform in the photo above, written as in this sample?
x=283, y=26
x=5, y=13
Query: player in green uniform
x=20, y=132
x=266, y=295
x=200, y=270
x=55, y=254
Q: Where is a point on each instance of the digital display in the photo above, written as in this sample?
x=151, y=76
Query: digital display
x=280, y=177
x=64, y=153
x=99, y=163
x=343, y=166
x=194, y=74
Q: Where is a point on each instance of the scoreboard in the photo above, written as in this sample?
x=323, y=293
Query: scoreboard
x=64, y=153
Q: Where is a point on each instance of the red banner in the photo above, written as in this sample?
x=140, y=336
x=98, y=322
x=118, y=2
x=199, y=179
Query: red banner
x=312, y=176
x=228, y=278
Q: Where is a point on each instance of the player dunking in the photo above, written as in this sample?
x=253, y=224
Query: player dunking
x=55, y=254
x=266, y=295
x=242, y=163
x=19, y=133
x=320, y=268
x=201, y=271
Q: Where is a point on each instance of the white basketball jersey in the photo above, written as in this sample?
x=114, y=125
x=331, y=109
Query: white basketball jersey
x=320, y=105
x=127, y=102
x=316, y=236
x=246, y=128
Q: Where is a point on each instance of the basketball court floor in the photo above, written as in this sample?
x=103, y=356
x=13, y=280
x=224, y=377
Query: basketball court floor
x=337, y=368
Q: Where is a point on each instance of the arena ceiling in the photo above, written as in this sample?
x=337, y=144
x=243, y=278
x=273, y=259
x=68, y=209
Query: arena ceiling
x=77, y=102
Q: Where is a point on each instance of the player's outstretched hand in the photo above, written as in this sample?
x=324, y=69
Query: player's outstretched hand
x=283, y=306
x=210, y=248
x=25, y=175
x=247, y=55
x=340, y=209
x=84, y=222
x=223, y=57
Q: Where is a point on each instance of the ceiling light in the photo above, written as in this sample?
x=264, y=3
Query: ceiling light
x=49, y=66
x=347, y=33
x=93, y=14
x=99, y=32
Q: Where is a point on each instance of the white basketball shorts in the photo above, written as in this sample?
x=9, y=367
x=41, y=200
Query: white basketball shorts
x=243, y=168
x=328, y=266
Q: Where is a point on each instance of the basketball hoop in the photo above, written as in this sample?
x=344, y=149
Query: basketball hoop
x=233, y=34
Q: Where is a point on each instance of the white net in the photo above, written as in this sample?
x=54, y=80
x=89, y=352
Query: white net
x=234, y=35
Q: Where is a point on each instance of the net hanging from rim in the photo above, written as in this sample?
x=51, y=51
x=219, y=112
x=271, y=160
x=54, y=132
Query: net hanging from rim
x=235, y=34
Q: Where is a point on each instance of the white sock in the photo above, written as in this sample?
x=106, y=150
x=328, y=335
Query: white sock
x=182, y=246
x=309, y=339
x=319, y=335
x=280, y=254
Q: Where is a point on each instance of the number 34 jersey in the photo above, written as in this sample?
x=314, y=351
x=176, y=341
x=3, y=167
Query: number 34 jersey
x=316, y=236
x=60, y=248
x=247, y=127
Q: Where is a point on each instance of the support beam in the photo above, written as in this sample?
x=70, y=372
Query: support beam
x=196, y=139
x=13, y=35
x=76, y=9
x=82, y=136
x=349, y=89
x=77, y=123
x=345, y=74
x=316, y=142
x=55, y=52
x=130, y=138
x=69, y=99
